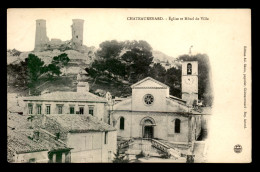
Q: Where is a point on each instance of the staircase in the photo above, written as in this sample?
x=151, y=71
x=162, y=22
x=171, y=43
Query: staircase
x=152, y=147
x=165, y=148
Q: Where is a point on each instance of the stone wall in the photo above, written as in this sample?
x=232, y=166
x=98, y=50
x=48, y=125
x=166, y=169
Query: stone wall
x=40, y=157
x=90, y=147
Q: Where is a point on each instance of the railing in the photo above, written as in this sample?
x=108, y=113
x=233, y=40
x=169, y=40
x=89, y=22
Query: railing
x=165, y=148
x=125, y=143
x=160, y=146
x=146, y=144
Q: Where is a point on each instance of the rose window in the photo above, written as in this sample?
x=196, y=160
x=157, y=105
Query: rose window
x=148, y=99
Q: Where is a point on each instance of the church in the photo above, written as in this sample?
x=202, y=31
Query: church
x=151, y=112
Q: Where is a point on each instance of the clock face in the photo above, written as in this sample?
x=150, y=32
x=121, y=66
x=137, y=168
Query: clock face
x=189, y=80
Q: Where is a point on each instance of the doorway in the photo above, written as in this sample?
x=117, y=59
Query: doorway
x=148, y=132
x=59, y=157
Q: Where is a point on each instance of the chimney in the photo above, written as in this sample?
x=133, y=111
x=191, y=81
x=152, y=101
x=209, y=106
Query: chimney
x=82, y=87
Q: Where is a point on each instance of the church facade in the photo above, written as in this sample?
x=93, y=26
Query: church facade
x=151, y=112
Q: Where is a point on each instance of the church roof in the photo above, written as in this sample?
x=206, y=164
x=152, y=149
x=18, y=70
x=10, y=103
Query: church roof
x=151, y=79
x=68, y=96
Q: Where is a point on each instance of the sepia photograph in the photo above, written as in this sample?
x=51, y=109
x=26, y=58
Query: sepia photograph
x=128, y=85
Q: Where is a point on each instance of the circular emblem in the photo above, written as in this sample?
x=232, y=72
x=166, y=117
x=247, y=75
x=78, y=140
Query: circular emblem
x=238, y=148
x=148, y=99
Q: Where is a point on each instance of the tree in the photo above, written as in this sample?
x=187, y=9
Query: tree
x=158, y=72
x=53, y=70
x=115, y=67
x=19, y=74
x=97, y=69
x=121, y=59
x=109, y=49
x=35, y=67
x=173, y=79
x=137, y=59
x=120, y=158
x=60, y=60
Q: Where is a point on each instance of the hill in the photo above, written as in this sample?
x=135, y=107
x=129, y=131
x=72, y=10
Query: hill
x=158, y=55
x=78, y=61
x=85, y=57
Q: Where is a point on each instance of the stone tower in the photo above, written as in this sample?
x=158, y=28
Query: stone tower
x=77, y=33
x=41, y=35
x=190, y=82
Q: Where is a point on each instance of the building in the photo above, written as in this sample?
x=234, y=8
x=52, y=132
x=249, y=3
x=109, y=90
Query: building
x=79, y=119
x=80, y=102
x=151, y=112
x=91, y=139
x=32, y=146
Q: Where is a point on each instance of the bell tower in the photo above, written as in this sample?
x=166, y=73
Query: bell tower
x=190, y=82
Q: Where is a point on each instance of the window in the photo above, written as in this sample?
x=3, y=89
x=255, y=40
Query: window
x=72, y=110
x=59, y=109
x=122, y=123
x=91, y=110
x=81, y=110
x=30, y=106
x=36, y=135
x=57, y=136
x=48, y=109
x=148, y=99
x=189, y=69
x=39, y=109
x=106, y=137
x=177, y=125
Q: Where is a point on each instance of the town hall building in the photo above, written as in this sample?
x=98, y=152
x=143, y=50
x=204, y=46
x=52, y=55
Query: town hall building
x=151, y=112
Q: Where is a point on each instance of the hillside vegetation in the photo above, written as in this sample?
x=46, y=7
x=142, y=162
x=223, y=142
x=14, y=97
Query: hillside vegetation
x=113, y=67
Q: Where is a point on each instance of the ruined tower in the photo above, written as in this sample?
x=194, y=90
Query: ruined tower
x=41, y=35
x=77, y=33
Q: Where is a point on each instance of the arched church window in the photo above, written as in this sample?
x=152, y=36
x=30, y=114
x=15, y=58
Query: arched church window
x=189, y=69
x=177, y=125
x=148, y=122
x=122, y=123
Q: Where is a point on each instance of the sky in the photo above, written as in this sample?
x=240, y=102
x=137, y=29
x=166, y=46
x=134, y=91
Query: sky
x=173, y=38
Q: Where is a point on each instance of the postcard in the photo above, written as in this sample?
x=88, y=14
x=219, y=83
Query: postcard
x=129, y=85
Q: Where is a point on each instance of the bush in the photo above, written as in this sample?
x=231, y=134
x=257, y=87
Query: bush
x=120, y=158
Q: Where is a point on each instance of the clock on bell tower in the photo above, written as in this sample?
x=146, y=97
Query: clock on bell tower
x=190, y=82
